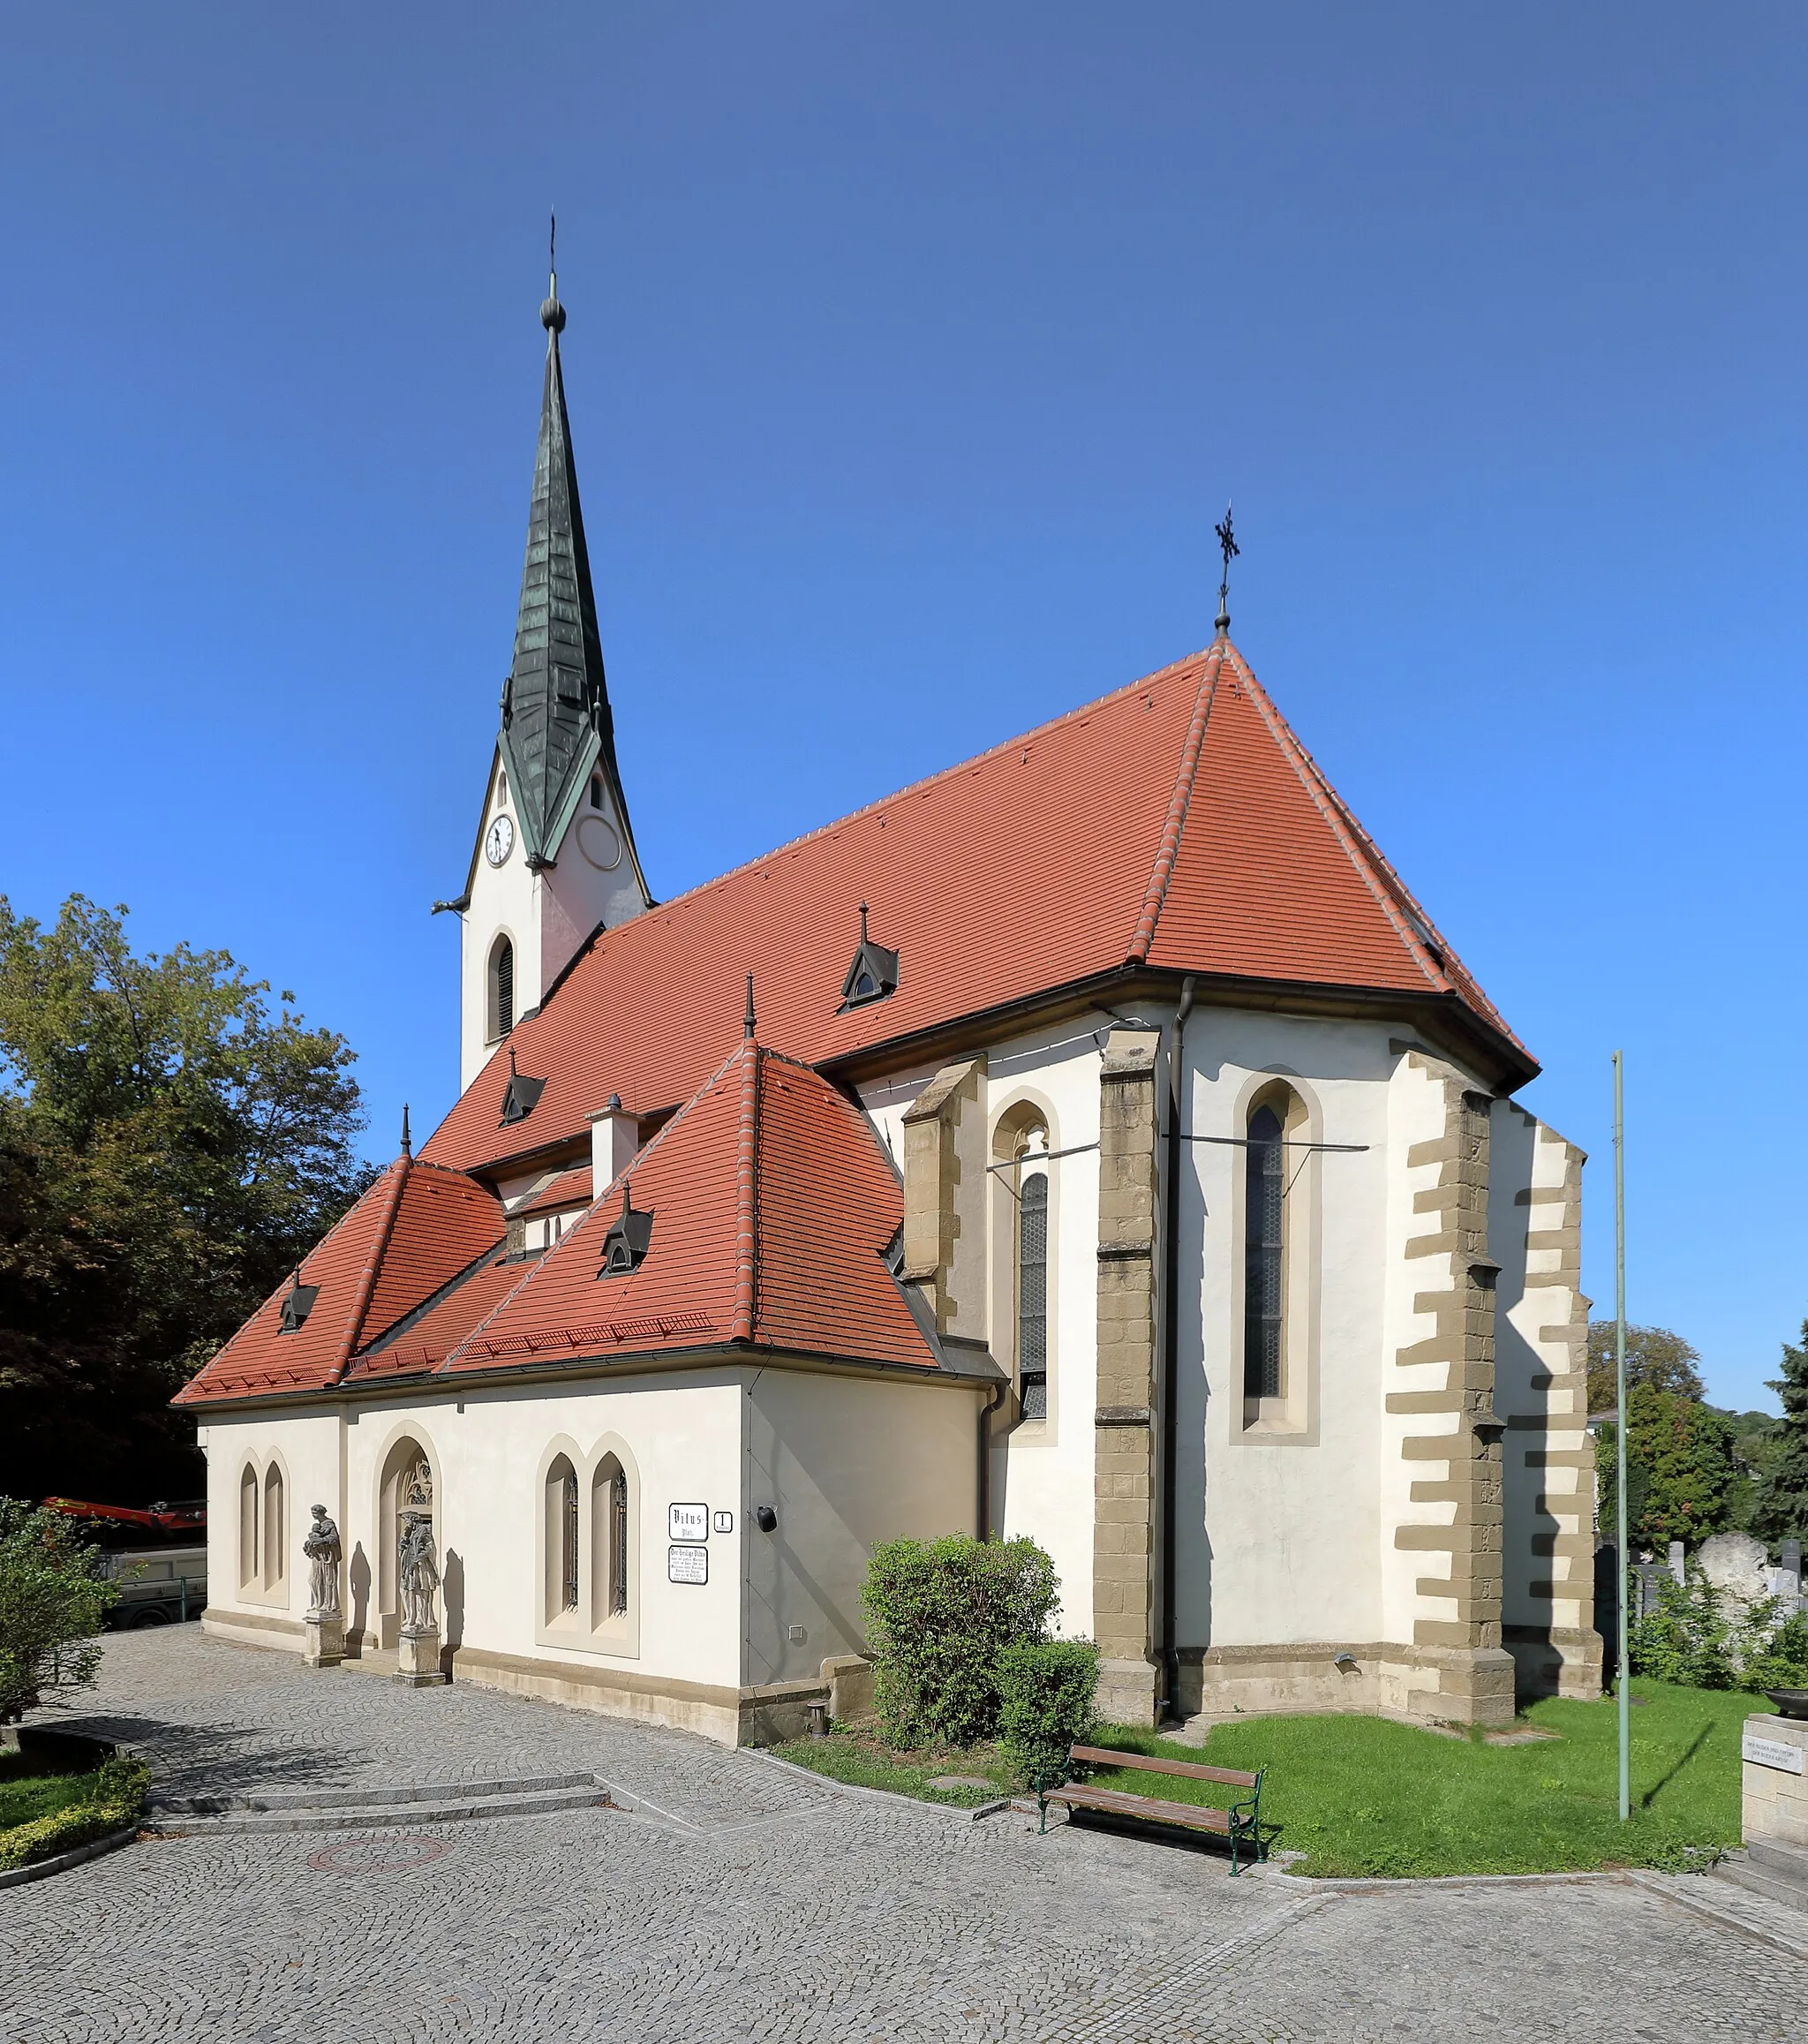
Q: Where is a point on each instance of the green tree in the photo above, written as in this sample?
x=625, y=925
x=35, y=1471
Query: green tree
x=169, y=1148
x=1654, y=1356
x=1679, y=1467
x=1781, y=1509
x=52, y=1601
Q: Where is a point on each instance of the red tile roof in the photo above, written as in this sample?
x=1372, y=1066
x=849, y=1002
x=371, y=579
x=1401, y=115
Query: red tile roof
x=1177, y=823
x=414, y=1229
x=773, y=1205
x=569, y=1188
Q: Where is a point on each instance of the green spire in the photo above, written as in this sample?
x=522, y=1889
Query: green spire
x=557, y=729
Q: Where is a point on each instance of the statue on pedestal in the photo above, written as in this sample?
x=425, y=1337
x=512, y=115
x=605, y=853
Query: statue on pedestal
x=418, y=1573
x=321, y=1547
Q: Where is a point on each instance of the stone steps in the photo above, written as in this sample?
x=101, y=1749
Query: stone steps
x=346, y=1809
x=1779, y=1872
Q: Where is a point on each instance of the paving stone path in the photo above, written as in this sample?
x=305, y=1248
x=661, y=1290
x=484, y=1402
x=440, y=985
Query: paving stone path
x=738, y=1901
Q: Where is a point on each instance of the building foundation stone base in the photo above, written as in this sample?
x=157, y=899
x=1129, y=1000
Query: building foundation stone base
x=1126, y=1693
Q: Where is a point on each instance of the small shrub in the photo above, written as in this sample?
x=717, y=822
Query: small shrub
x=115, y=1802
x=1782, y=1661
x=53, y=1598
x=938, y=1615
x=1046, y=1689
x=1684, y=1639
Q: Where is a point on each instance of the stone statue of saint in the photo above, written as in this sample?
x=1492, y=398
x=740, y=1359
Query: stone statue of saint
x=418, y=1573
x=321, y=1547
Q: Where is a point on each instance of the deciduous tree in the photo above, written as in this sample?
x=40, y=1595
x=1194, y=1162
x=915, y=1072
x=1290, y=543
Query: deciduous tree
x=169, y=1145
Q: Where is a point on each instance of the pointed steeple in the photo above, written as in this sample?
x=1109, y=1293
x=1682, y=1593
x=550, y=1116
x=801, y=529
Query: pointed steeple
x=557, y=729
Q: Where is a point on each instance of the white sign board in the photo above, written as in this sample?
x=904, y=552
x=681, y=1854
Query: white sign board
x=687, y=1565
x=688, y=1522
x=1771, y=1753
x=724, y=1522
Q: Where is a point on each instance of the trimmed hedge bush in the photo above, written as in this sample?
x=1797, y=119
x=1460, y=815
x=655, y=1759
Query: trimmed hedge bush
x=938, y=1615
x=115, y=1801
x=1046, y=1689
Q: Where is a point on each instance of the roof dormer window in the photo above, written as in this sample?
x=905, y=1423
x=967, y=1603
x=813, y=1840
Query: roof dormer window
x=628, y=1239
x=521, y=1096
x=298, y=1304
x=873, y=974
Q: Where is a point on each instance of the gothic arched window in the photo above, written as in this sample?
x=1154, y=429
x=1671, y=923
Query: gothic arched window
x=561, y=1538
x=275, y=1529
x=248, y=1542
x=501, y=988
x=1032, y=1295
x=1264, y=1254
x=609, y=1532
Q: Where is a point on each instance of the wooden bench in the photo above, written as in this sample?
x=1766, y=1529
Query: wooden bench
x=1239, y=1823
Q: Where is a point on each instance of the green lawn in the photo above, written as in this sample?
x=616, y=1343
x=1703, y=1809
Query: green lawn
x=1366, y=1796
x=859, y=1758
x=34, y=1785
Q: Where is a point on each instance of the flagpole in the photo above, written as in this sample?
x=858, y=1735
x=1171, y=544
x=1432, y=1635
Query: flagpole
x=1625, y=1574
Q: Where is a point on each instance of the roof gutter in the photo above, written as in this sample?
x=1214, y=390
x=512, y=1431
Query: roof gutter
x=1170, y=1345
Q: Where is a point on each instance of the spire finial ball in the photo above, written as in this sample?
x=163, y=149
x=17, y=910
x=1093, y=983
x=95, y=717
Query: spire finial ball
x=552, y=316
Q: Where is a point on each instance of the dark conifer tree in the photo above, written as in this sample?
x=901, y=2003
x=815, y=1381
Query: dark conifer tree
x=1782, y=1503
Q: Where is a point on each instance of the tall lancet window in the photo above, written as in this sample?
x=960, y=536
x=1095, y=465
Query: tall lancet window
x=1032, y=1295
x=567, y=1543
x=501, y=988
x=1264, y=1254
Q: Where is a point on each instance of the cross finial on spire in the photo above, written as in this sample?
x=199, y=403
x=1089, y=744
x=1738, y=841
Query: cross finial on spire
x=1228, y=546
x=749, y=1024
x=407, y=1139
x=551, y=312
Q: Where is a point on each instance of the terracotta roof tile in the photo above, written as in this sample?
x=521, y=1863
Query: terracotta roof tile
x=1177, y=821
x=773, y=1205
x=414, y=1229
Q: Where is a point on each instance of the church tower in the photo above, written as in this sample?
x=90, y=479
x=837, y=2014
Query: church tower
x=554, y=856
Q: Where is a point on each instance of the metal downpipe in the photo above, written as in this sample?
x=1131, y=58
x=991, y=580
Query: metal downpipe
x=1170, y=1342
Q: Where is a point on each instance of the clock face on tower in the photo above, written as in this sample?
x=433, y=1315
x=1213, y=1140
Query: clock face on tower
x=500, y=841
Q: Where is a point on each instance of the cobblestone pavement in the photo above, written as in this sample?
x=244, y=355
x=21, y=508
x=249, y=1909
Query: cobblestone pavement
x=741, y=1902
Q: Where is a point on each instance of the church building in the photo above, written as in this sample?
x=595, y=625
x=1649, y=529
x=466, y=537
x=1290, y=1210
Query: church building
x=1096, y=1142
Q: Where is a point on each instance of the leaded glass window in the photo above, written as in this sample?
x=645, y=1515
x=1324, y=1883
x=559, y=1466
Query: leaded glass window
x=1264, y=1266
x=1032, y=1295
x=568, y=1540
x=618, y=1543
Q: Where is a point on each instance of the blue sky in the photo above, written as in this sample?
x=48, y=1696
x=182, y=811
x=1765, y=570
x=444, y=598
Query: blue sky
x=911, y=354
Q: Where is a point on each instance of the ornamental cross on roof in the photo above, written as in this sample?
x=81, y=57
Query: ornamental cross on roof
x=557, y=728
x=1230, y=549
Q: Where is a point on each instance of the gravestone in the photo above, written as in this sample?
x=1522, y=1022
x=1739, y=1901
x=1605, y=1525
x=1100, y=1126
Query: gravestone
x=1737, y=1565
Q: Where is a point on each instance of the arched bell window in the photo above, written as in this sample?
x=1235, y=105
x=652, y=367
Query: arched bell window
x=502, y=992
x=1264, y=1254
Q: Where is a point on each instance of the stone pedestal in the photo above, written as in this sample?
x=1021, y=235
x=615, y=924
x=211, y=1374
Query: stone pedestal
x=1773, y=1802
x=418, y=1658
x=326, y=1640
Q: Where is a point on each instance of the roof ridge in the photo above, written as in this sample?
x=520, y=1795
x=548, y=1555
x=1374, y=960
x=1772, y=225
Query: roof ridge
x=1166, y=852
x=368, y=1277
x=746, y=1180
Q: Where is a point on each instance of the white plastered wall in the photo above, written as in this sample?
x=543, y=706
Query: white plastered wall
x=844, y=1462
x=1042, y=1471
x=305, y=1447
x=1292, y=1517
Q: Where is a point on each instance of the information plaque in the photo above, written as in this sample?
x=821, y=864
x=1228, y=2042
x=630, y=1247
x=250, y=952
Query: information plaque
x=687, y=1565
x=1771, y=1753
x=688, y=1522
